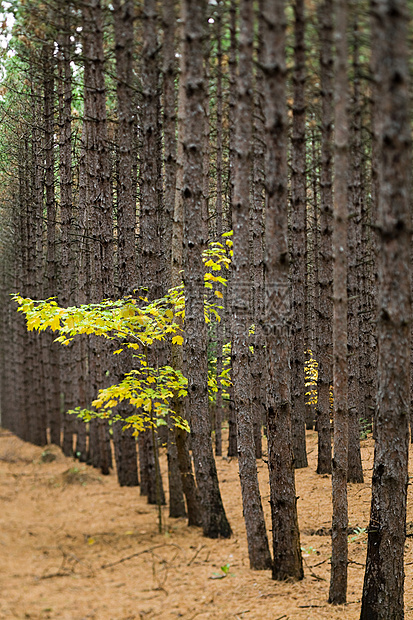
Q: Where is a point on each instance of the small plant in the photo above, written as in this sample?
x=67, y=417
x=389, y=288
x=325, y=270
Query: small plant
x=357, y=532
x=224, y=572
x=309, y=551
x=365, y=428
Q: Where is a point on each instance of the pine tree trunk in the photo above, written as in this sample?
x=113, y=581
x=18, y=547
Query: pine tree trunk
x=384, y=577
x=298, y=242
x=339, y=556
x=99, y=197
x=258, y=549
x=123, y=14
x=257, y=262
x=283, y=500
x=176, y=494
x=355, y=348
x=150, y=221
x=324, y=348
x=215, y=523
x=52, y=353
x=218, y=218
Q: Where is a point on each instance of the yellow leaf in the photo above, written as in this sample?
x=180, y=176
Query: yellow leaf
x=177, y=340
x=70, y=322
x=117, y=351
x=33, y=323
x=55, y=323
x=219, y=294
x=138, y=402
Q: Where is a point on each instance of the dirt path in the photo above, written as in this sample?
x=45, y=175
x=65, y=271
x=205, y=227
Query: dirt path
x=64, y=531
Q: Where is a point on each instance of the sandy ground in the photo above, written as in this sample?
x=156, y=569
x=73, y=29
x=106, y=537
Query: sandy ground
x=74, y=545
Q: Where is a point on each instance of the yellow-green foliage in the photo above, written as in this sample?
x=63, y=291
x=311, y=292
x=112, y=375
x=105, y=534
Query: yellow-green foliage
x=311, y=377
x=134, y=323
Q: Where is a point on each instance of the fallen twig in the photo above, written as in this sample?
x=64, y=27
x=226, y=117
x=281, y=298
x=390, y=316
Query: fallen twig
x=320, y=563
x=135, y=555
x=197, y=552
x=313, y=574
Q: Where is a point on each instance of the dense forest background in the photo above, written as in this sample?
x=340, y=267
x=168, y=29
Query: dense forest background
x=219, y=194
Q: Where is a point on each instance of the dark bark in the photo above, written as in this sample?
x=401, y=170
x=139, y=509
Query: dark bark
x=355, y=251
x=176, y=495
x=52, y=351
x=151, y=203
x=286, y=538
x=298, y=241
x=384, y=577
x=258, y=549
x=99, y=197
x=215, y=523
x=218, y=221
x=324, y=346
x=193, y=504
x=339, y=556
x=123, y=15
x=257, y=262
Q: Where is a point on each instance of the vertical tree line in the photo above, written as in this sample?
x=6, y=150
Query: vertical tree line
x=138, y=137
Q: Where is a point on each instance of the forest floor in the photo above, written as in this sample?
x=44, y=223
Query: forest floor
x=74, y=545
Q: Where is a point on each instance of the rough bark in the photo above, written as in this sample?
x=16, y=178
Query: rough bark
x=286, y=538
x=384, y=577
x=218, y=220
x=52, y=352
x=176, y=495
x=257, y=262
x=339, y=556
x=298, y=241
x=123, y=15
x=324, y=348
x=99, y=196
x=355, y=345
x=193, y=504
x=258, y=549
x=151, y=216
x=215, y=523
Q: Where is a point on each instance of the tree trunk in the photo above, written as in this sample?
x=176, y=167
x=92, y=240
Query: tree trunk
x=123, y=13
x=283, y=500
x=324, y=348
x=151, y=202
x=258, y=549
x=298, y=242
x=176, y=494
x=99, y=196
x=384, y=577
x=52, y=352
x=215, y=523
x=355, y=342
x=339, y=557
